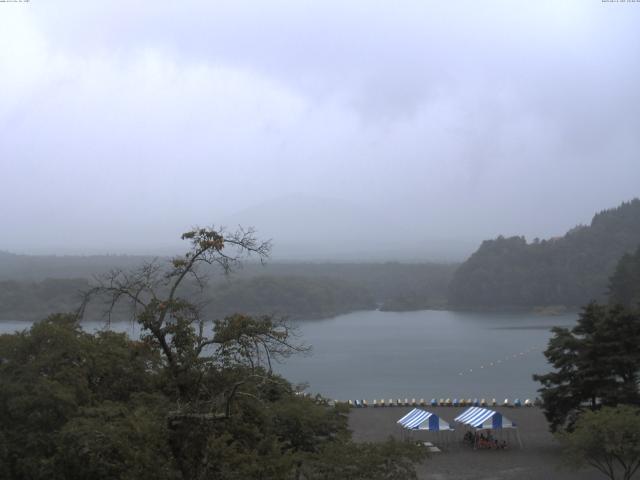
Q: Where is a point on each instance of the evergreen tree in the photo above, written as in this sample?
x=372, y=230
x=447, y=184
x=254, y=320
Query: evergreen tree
x=624, y=285
x=595, y=363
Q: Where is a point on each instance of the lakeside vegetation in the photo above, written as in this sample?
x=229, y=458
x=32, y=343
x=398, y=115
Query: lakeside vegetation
x=175, y=404
x=32, y=287
x=179, y=404
x=591, y=398
x=503, y=274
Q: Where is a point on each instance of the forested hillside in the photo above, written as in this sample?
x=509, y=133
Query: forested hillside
x=624, y=288
x=289, y=296
x=36, y=300
x=570, y=271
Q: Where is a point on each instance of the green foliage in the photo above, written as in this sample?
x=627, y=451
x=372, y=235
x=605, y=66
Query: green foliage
x=624, y=286
x=365, y=461
x=115, y=440
x=607, y=439
x=78, y=405
x=596, y=363
x=53, y=380
x=290, y=296
x=35, y=300
x=293, y=290
x=571, y=270
x=183, y=402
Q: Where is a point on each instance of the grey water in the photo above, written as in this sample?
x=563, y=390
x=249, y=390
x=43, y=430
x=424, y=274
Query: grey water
x=425, y=354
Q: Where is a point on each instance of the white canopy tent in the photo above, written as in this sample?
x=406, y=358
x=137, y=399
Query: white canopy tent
x=479, y=418
x=418, y=420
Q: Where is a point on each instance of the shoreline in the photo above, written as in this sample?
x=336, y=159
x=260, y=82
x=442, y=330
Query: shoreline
x=542, y=311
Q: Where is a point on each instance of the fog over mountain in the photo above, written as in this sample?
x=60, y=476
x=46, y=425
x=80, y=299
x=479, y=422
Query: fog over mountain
x=384, y=130
x=321, y=228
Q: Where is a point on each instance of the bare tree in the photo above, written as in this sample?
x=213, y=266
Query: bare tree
x=175, y=324
x=208, y=363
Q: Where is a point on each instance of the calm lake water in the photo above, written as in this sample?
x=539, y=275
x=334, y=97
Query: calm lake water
x=424, y=354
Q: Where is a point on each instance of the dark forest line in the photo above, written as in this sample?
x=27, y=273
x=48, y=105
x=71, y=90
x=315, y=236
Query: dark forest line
x=568, y=271
x=503, y=274
x=32, y=287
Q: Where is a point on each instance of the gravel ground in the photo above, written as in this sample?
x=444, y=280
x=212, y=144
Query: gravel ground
x=539, y=458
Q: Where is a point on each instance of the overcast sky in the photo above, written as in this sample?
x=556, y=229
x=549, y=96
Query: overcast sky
x=404, y=128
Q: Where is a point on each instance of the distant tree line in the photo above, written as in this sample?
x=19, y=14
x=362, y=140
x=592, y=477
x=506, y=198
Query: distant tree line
x=295, y=290
x=26, y=300
x=290, y=296
x=571, y=270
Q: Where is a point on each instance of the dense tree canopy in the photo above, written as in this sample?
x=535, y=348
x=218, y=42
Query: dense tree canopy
x=571, y=270
x=624, y=286
x=595, y=363
x=290, y=296
x=76, y=405
x=608, y=440
x=191, y=399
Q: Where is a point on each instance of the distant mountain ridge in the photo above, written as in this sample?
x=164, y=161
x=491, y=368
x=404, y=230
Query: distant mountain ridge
x=570, y=270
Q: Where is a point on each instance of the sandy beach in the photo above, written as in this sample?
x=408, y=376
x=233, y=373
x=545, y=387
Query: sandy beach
x=538, y=459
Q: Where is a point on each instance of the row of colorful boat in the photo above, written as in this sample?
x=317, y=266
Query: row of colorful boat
x=448, y=402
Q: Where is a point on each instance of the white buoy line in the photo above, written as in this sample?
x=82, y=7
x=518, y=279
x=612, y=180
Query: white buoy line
x=500, y=361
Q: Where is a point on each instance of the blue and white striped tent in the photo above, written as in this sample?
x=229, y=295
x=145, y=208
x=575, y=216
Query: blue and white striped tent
x=483, y=419
x=418, y=419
